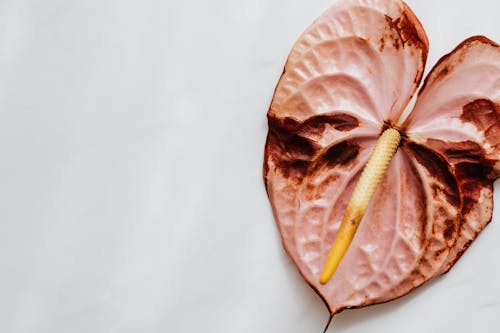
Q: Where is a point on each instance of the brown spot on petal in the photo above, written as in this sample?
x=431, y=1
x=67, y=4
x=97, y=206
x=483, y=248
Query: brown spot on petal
x=485, y=115
x=450, y=229
x=438, y=168
x=382, y=43
x=438, y=253
x=393, y=27
x=292, y=152
x=472, y=178
x=294, y=145
x=472, y=168
x=464, y=151
x=407, y=32
x=289, y=152
x=340, y=154
x=340, y=121
x=466, y=170
x=481, y=112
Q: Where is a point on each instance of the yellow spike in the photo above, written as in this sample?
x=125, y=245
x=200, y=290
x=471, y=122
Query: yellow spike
x=372, y=174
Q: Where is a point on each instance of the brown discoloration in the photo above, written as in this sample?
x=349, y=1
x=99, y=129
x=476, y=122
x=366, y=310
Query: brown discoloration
x=340, y=121
x=456, y=152
x=439, y=253
x=464, y=151
x=408, y=31
x=484, y=114
x=479, y=38
x=292, y=152
x=315, y=124
x=472, y=178
x=472, y=169
x=443, y=72
x=450, y=229
x=468, y=168
x=438, y=168
x=396, y=40
x=382, y=44
x=341, y=154
x=462, y=251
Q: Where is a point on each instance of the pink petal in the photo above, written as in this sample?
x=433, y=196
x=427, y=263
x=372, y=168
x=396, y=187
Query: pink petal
x=457, y=115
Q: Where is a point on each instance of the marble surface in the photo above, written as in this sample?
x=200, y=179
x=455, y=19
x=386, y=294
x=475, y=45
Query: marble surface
x=131, y=194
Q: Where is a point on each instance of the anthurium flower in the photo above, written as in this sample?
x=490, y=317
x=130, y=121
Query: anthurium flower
x=347, y=80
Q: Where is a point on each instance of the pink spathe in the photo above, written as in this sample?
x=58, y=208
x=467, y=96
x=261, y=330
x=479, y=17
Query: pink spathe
x=348, y=77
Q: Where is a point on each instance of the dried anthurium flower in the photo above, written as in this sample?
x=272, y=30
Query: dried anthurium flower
x=425, y=193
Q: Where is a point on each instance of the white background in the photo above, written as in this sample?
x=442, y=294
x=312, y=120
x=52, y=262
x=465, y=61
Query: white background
x=131, y=193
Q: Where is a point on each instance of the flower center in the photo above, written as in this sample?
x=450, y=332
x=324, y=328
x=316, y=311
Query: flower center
x=373, y=172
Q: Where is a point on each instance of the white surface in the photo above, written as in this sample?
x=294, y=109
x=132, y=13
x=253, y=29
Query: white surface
x=131, y=196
